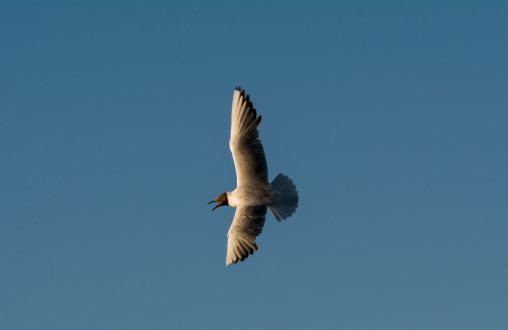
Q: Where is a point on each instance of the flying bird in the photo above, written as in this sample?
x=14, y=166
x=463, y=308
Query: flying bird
x=253, y=193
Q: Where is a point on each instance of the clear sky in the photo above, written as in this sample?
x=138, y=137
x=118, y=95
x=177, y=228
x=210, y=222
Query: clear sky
x=390, y=118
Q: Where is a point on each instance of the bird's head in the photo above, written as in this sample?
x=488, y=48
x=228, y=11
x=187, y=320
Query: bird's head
x=221, y=200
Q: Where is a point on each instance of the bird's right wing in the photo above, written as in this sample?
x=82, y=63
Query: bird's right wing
x=245, y=145
x=246, y=226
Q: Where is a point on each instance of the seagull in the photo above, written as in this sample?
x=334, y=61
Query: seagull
x=253, y=193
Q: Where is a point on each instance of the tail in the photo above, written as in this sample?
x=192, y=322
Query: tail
x=284, y=197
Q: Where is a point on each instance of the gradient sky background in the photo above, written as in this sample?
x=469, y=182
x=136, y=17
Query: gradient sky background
x=391, y=119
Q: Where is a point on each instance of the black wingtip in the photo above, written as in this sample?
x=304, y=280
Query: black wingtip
x=246, y=98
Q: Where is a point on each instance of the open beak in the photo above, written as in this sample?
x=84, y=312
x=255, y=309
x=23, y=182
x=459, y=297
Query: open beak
x=216, y=206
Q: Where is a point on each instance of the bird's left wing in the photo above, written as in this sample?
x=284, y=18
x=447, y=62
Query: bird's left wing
x=246, y=226
x=245, y=145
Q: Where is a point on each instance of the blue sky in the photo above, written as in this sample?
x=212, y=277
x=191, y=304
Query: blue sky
x=390, y=118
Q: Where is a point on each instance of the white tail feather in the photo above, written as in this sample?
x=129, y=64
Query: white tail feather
x=284, y=197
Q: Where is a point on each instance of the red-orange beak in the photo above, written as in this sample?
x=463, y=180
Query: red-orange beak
x=219, y=203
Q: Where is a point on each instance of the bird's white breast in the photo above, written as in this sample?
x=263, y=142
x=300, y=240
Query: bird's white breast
x=249, y=196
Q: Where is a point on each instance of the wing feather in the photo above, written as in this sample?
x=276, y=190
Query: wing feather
x=246, y=148
x=247, y=224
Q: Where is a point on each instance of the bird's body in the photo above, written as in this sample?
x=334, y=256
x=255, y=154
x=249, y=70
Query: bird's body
x=253, y=193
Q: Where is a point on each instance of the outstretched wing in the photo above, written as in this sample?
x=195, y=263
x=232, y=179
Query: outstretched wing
x=246, y=226
x=245, y=145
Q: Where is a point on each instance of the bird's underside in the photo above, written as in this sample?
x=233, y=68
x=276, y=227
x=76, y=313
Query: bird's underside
x=251, y=171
